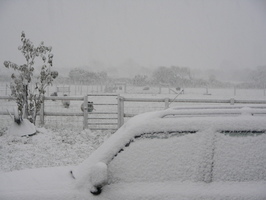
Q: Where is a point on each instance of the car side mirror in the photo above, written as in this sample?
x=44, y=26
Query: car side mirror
x=98, y=177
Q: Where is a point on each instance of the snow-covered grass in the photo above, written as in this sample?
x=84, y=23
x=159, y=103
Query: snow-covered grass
x=48, y=148
x=56, y=122
x=207, y=164
x=64, y=143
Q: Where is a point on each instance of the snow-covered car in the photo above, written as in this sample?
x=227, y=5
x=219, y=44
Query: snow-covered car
x=192, y=153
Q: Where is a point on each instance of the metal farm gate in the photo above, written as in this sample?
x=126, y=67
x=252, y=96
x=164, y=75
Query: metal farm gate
x=99, y=111
x=102, y=114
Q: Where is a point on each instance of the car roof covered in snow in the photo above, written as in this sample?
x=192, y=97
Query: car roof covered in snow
x=235, y=118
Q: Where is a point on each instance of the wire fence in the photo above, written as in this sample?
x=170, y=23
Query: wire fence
x=81, y=90
x=109, y=104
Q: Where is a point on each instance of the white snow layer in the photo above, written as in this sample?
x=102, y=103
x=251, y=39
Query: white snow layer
x=202, y=165
x=25, y=128
x=153, y=121
x=48, y=148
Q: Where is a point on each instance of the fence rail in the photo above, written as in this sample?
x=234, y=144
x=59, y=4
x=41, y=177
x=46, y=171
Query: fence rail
x=119, y=114
x=86, y=115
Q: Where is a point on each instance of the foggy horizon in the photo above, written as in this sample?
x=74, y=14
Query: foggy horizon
x=200, y=35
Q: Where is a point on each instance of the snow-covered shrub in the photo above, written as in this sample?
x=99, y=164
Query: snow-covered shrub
x=2, y=131
x=20, y=90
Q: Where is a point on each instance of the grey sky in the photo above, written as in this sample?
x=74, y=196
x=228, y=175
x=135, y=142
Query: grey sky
x=192, y=33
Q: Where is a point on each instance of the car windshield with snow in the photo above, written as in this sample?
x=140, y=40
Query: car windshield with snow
x=192, y=153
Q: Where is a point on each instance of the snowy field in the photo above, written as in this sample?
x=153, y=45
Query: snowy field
x=76, y=123
x=63, y=142
x=48, y=148
x=239, y=173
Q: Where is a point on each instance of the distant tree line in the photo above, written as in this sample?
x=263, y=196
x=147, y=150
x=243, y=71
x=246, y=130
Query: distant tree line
x=176, y=76
x=81, y=75
x=258, y=77
x=173, y=76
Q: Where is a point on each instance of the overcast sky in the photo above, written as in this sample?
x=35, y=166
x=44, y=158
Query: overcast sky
x=192, y=33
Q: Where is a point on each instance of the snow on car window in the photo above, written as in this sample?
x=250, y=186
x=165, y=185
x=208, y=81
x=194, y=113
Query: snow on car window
x=240, y=156
x=161, y=159
x=202, y=156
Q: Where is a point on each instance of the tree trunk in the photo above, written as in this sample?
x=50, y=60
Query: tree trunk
x=26, y=114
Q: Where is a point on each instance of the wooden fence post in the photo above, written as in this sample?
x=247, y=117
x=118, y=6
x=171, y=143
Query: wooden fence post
x=85, y=112
x=42, y=112
x=232, y=101
x=264, y=85
x=120, y=111
x=166, y=103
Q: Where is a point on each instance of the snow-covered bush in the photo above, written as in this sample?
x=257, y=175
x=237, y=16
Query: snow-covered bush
x=29, y=101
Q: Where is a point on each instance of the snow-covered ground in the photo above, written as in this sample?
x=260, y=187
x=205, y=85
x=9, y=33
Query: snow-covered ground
x=48, y=148
x=131, y=108
x=240, y=158
x=60, y=145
